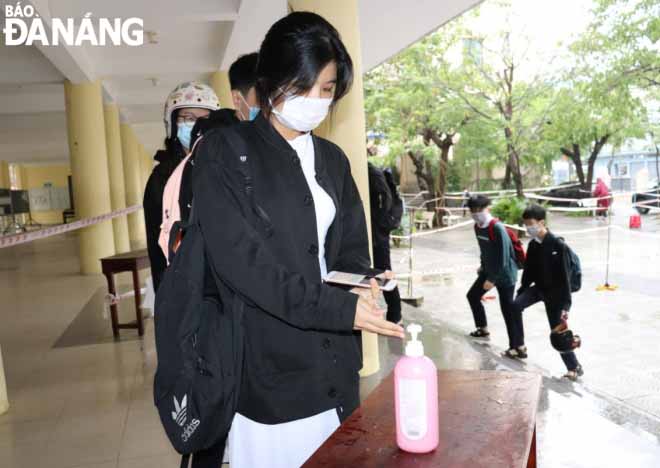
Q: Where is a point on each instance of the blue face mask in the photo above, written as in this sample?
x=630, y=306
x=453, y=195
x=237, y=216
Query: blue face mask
x=254, y=111
x=183, y=134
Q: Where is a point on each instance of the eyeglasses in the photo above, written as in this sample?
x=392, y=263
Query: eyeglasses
x=187, y=119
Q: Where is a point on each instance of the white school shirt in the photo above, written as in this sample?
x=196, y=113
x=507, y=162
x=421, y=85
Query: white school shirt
x=289, y=445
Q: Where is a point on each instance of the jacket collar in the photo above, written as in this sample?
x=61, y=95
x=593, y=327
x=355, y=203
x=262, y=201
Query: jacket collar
x=272, y=136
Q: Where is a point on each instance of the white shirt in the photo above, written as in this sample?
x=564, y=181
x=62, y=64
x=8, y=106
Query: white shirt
x=323, y=205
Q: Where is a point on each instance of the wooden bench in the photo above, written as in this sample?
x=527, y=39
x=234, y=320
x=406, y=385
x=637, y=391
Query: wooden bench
x=133, y=262
x=487, y=420
x=427, y=220
x=450, y=220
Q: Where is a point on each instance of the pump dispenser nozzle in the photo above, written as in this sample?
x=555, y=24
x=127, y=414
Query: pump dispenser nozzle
x=414, y=347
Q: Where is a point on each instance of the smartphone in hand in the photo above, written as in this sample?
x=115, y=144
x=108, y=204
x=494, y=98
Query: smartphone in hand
x=360, y=281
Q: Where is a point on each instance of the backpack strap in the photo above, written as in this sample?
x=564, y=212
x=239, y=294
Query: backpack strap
x=237, y=143
x=491, y=228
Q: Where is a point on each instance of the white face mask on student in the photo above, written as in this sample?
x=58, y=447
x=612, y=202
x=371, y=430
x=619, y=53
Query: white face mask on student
x=481, y=218
x=533, y=231
x=302, y=113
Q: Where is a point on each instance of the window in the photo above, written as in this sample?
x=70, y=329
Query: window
x=473, y=50
x=622, y=170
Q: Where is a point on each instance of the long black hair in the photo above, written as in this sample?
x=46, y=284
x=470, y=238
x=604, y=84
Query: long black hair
x=293, y=54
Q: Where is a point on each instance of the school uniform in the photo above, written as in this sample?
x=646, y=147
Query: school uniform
x=302, y=357
x=546, y=279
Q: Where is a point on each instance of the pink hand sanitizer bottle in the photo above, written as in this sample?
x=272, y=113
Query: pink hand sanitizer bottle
x=416, y=398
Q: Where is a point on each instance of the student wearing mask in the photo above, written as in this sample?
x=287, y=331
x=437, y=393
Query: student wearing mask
x=302, y=358
x=382, y=223
x=187, y=103
x=242, y=76
x=498, y=269
x=546, y=278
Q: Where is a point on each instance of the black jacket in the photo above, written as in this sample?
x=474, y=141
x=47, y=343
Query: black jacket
x=153, y=209
x=301, y=355
x=547, y=266
x=216, y=119
x=153, y=192
x=380, y=198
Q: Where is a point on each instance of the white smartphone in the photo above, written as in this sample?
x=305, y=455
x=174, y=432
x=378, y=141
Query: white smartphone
x=360, y=281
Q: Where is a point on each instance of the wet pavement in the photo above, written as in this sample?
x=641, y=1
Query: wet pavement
x=612, y=416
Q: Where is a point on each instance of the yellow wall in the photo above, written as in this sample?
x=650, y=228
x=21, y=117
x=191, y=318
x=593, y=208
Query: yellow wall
x=36, y=176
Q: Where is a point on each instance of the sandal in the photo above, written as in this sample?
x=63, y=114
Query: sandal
x=480, y=333
x=573, y=375
x=511, y=353
x=516, y=353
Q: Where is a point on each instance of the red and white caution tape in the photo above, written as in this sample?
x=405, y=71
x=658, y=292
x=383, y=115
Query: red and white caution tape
x=15, y=239
x=434, y=231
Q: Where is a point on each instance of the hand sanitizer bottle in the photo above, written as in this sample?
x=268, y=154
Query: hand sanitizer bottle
x=416, y=398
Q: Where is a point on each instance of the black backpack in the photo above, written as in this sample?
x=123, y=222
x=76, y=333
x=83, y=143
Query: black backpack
x=199, y=341
x=396, y=212
x=574, y=268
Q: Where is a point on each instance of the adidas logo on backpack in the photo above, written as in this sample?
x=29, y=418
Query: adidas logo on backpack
x=179, y=413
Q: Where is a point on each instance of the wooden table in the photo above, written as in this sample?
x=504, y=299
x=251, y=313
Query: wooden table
x=134, y=262
x=487, y=419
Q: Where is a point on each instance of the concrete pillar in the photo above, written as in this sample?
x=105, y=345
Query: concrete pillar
x=146, y=166
x=4, y=400
x=220, y=83
x=17, y=171
x=133, y=184
x=116, y=170
x=346, y=125
x=4, y=175
x=89, y=170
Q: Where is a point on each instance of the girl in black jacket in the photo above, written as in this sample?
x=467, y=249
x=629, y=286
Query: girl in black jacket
x=302, y=358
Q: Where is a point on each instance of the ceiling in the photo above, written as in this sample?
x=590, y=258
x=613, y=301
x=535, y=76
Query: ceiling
x=209, y=35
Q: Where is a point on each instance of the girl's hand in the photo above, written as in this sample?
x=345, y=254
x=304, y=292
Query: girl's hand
x=369, y=317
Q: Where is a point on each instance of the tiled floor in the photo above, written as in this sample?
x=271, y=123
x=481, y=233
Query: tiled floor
x=88, y=403
x=75, y=405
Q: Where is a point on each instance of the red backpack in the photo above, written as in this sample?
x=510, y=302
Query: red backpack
x=518, y=248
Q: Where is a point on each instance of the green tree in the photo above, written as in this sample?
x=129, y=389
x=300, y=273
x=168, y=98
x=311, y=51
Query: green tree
x=590, y=115
x=621, y=43
x=420, y=120
x=494, y=89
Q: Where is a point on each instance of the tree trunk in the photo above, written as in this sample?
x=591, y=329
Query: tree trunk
x=422, y=172
x=576, y=157
x=598, y=146
x=657, y=159
x=513, y=162
x=506, y=182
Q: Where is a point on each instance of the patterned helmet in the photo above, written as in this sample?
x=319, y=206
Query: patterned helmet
x=189, y=94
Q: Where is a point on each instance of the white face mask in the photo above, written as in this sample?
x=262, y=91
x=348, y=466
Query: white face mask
x=303, y=113
x=482, y=218
x=533, y=231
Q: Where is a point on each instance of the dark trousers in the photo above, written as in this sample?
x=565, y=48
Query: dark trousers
x=392, y=298
x=529, y=297
x=505, y=294
x=209, y=458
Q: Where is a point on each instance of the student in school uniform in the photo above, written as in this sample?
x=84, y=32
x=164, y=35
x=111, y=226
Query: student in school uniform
x=302, y=355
